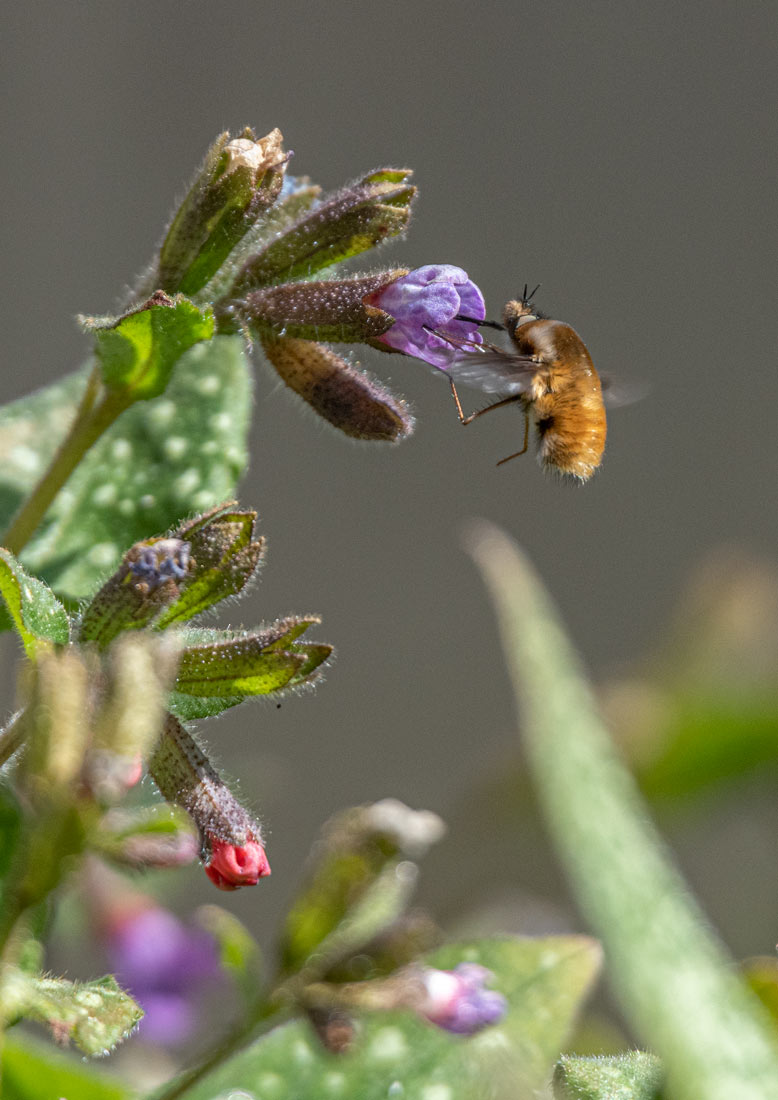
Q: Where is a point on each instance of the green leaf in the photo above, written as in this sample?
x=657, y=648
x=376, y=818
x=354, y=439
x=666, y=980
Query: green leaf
x=224, y=667
x=162, y=459
x=239, y=953
x=95, y=1015
x=37, y=614
x=160, y=835
x=30, y=432
x=347, y=223
x=677, y=985
x=137, y=353
x=632, y=1076
x=10, y=829
x=360, y=880
x=709, y=742
x=32, y=1071
x=190, y=708
x=397, y=1055
x=236, y=667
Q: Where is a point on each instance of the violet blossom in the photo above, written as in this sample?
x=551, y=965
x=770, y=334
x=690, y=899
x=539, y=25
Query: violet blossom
x=457, y=1000
x=164, y=964
x=428, y=305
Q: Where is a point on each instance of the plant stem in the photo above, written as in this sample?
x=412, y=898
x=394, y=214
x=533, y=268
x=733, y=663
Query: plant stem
x=96, y=413
x=11, y=737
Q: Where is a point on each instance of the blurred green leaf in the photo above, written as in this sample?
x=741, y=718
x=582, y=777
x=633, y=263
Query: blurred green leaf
x=30, y=432
x=632, y=1076
x=709, y=742
x=162, y=459
x=137, y=352
x=10, y=829
x=239, y=952
x=37, y=614
x=95, y=1015
x=160, y=835
x=360, y=880
x=762, y=977
x=32, y=1071
x=397, y=1055
x=677, y=985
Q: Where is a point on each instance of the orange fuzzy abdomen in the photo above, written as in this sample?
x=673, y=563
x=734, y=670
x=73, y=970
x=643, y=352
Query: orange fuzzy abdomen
x=566, y=398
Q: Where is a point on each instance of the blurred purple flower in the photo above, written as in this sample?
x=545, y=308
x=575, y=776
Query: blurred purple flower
x=457, y=1001
x=163, y=964
x=430, y=298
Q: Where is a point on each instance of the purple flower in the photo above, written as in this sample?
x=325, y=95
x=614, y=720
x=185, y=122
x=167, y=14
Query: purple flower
x=457, y=1001
x=162, y=963
x=426, y=304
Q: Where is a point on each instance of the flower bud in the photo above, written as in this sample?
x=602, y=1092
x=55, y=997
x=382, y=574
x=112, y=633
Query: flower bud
x=429, y=304
x=454, y=1000
x=358, y=217
x=150, y=577
x=457, y=1001
x=349, y=399
x=231, y=839
x=152, y=836
x=56, y=723
x=333, y=310
x=171, y=578
x=140, y=670
x=233, y=865
x=239, y=179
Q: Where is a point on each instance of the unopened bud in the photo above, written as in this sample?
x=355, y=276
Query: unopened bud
x=56, y=721
x=141, y=669
x=239, y=179
x=157, y=836
x=332, y=311
x=231, y=839
x=360, y=216
x=151, y=576
x=349, y=399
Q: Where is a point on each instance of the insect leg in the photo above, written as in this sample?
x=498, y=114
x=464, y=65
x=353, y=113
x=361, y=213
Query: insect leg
x=526, y=438
x=479, y=412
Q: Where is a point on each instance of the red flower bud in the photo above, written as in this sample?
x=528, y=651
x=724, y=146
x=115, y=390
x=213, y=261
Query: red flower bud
x=233, y=865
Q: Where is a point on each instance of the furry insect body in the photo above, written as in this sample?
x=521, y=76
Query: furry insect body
x=564, y=396
x=550, y=373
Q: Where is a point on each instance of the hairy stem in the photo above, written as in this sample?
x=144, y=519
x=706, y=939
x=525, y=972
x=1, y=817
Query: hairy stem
x=96, y=413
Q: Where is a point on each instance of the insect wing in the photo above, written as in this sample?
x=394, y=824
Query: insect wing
x=493, y=371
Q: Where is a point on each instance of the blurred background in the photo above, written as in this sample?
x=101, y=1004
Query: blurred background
x=620, y=154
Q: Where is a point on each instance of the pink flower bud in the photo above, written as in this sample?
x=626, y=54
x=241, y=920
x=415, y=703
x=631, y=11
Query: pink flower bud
x=233, y=865
x=457, y=1000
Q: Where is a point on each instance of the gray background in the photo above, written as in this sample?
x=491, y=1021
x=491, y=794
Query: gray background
x=620, y=153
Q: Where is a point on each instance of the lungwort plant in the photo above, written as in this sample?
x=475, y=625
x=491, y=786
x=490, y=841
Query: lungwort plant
x=116, y=488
